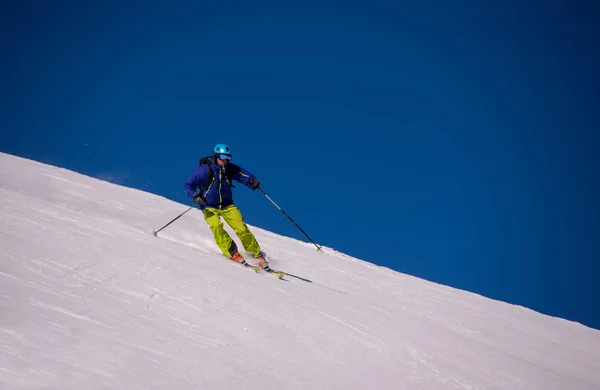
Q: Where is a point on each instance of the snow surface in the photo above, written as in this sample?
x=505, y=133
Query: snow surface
x=90, y=299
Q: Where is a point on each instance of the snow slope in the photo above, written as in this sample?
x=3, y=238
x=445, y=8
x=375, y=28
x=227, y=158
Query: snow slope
x=89, y=299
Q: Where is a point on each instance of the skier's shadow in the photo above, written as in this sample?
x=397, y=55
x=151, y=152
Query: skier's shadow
x=298, y=277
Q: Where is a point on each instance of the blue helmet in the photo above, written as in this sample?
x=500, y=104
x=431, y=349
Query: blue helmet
x=222, y=149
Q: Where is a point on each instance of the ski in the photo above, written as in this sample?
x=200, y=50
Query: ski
x=247, y=265
x=279, y=274
x=258, y=269
x=255, y=268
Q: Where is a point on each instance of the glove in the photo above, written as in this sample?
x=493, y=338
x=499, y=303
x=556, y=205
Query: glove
x=254, y=183
x=199, y=201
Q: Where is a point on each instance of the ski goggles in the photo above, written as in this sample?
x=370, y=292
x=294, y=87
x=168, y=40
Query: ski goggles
x=225, y=157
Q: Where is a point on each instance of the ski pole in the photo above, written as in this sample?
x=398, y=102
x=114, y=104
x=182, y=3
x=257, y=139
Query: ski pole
x=175, y=219
x=284, y=213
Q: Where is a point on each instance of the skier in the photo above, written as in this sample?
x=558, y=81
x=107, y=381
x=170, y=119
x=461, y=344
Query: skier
x=214, y=180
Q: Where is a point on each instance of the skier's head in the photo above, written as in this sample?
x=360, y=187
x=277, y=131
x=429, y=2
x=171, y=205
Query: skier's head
x=222, y=153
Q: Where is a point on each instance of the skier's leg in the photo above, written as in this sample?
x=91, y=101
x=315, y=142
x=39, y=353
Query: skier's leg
x=222, y=238
x=233, y=217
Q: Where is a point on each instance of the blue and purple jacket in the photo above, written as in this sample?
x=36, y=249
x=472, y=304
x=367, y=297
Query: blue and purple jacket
x=218, y=193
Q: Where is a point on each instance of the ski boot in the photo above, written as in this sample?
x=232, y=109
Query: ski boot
x=238, y=258
x=262, y=262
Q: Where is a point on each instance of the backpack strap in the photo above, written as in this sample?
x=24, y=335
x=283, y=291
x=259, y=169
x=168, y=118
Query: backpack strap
x=211, y=175
x=206, y=161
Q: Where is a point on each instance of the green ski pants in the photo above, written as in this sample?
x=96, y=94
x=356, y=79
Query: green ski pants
x=233, y=217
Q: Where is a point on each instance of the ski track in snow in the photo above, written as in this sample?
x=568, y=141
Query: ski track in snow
x=89, y=299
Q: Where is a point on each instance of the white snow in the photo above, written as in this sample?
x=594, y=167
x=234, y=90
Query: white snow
x=89, y=299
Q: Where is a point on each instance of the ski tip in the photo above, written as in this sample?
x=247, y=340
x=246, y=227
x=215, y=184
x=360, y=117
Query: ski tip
x=252, y=267
x=279, y=275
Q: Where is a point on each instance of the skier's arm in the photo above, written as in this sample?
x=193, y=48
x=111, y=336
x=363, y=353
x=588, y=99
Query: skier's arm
x=242, y=175
x=194, y=181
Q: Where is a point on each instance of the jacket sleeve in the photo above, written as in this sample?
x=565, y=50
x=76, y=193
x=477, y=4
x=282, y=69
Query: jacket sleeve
x=194, y=181
x=241, y=175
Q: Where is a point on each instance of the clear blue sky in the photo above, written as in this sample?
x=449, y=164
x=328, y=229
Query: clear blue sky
x=458, y=144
